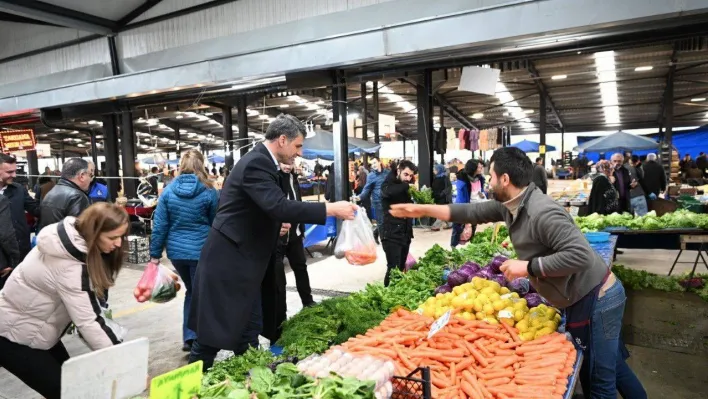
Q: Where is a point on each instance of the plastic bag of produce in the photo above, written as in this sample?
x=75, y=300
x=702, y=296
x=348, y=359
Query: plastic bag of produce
x=156, y=285
x=410, y=262
x=466, y=234
x=356, y=241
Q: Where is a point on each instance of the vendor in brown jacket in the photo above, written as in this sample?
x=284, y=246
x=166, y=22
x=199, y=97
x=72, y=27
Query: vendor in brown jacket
x=560, y=264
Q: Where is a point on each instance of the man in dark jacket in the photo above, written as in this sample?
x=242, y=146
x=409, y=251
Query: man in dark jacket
x=654, y=177
x=69, y=197
x=559, y=263
x=20, y=201
x=539, y=176
x=623, y=181
x=226, y=308
x=396, y=233
x=9, y=249
x=702, y=163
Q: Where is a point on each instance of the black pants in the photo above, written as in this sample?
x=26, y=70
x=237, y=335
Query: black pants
x=39, y=369
x=396, y=254
x=295, y=251
x=249, y=338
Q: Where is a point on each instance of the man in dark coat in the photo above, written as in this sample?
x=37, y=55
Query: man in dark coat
x=396, y=233
x=253, y=211
x=70, y=196
x=9, y=249
x=20, y=201
x=623, y=182
x=539, y=176
x=654, y=177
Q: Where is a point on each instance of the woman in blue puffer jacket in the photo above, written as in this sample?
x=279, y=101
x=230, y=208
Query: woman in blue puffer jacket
x=181, y=223
x=470, y=187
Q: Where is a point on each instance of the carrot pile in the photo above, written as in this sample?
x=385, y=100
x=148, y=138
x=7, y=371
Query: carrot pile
x=471, y=358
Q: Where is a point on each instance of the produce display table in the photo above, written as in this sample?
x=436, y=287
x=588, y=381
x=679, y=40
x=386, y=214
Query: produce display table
x=573, y=379
x=654, y=239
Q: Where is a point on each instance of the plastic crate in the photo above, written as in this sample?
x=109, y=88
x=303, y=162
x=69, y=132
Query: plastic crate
x=415, y=385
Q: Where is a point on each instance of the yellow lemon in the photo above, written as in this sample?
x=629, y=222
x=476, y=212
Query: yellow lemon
x=543, y=332
x=484, y=298
x=473, y=293
x=550, y=324
x=439, y=312
x=557, y=318
x=494, y=296
x=527, y=336
x=491, y=320
x=504, y=290
x=488, y=309
x=457, y=290
x=429, y=312
x=495, y=286
x=468, y=304
x=478, y=283
x=457, y=302
x=440, y=296
x=519, y=315
x=523, y=326
x=515, y=295
x=508, y=322
x=536, y=322
x=478, y=304
x=480, y=315
x=519, y=305
x=498, y=305
x=488, y=290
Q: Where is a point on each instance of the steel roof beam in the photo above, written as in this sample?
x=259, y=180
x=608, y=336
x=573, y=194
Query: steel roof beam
x=450, y=108
x=138, y=11
x=61, y=16
x=543, y=91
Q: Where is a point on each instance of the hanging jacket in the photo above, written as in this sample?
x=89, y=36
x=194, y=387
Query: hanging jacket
x=374, y=181
x=49, y=290
x=183, y=218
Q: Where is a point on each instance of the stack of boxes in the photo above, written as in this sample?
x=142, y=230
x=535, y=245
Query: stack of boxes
x=138, y=249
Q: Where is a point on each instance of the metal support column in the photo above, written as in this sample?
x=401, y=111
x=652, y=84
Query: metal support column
x=61, y=154
x=667, y=146
x=442, y=126
x=341, y=164
x=562, y=145
x=113, y=52
x=94, y=150
x=178, y=142
x=242, y=116
x=542, y=126
x=32, y=167
x=128, y=155
x=364, y=121
x=425, y=129
x=227, y=121
x=110, y=148
x=375, y=111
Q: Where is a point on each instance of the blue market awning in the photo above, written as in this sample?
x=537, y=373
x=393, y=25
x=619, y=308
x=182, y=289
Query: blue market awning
x=321, y=145
x=618, y=142
x=531, y=146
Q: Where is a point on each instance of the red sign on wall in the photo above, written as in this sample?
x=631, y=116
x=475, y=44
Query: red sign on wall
x=17, y=140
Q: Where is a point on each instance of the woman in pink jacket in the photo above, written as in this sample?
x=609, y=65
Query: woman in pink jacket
x=58, y=283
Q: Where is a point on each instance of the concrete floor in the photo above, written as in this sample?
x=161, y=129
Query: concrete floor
x=665, y=374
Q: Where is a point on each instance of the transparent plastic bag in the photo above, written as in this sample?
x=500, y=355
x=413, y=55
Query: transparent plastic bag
x=410, y=262
x=156, y=285
x=356, y=240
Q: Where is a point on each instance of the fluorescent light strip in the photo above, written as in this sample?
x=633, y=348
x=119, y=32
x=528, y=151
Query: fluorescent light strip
x=389, y=94
x=512, y=106
x=605, y=66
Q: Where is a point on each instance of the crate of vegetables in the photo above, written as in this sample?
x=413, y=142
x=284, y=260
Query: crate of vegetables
x=416, y=385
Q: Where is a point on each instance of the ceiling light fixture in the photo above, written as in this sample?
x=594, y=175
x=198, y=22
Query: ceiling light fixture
x=559, y=77
x=284, y=106
x=698, y=99
x=179, y=117
x=607, y=75
x=264, y=117
x=512, y=106
x=529, y=111
x=92, y=122
x=643, y=68
x=57, y=130
x=477, y=115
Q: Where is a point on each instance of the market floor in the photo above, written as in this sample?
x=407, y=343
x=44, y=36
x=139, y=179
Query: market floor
x=665, y=374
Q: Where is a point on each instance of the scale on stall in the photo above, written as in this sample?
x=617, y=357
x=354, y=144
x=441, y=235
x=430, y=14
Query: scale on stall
x=117, y=372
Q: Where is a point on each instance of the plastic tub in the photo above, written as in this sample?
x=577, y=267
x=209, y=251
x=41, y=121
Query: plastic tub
x=597, y=237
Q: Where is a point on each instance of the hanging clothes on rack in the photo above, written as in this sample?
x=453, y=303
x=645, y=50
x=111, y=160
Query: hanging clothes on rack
x=452, y=142
x=474, y=140
x=500, y=138
x=484, y=140
x=463, y=136
x=492, y=139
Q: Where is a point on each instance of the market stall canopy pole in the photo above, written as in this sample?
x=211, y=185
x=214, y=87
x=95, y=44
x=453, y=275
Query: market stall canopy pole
x=619, y=141
x=531, y=146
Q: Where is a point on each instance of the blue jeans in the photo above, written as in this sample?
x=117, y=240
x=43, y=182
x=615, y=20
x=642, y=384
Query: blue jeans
x=377, y=208
x=249, y=338
x=186, y=270
x=609, y=372
x=639, y=205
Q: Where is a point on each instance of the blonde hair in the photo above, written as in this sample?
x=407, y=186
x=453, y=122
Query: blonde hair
x=192, y=163
x=99, y=218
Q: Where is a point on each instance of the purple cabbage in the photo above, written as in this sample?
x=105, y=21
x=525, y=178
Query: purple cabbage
x=467, y=272
x=471, y=266
x=499, y=278
x=533, y=300
x=456, y=278
x=443, y=289
x=531, y=289
x=485, y=273
x=520, y=286
x=496, y=263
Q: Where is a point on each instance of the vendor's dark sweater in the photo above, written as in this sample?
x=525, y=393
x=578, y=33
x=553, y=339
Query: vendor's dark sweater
x=565, y=267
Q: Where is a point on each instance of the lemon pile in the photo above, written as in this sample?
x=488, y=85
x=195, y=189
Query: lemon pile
x=541, y=320
x=480, y=299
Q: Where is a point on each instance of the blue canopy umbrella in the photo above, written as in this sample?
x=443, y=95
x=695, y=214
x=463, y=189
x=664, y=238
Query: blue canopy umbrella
x=531, y=146
x=618, y=142
x=321, y=145
x=215, y=158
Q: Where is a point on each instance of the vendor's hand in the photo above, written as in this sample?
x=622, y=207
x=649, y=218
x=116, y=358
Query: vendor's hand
x=514, y=269
x=342, y=210
x=284, y=229
x=410, y=211
x=4, y=272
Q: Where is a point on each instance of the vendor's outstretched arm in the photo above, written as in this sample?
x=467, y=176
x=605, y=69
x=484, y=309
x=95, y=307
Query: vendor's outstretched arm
x=477, y=213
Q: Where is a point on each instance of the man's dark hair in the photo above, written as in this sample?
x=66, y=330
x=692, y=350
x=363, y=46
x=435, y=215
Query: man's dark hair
x=74, y=167
x=635, y=158
x=374, y=157
x=44, y=179
x=285, y=125
x=7, y=158
x=407, y=164
x=154, y=169
x=539, y=159
x=514, y=163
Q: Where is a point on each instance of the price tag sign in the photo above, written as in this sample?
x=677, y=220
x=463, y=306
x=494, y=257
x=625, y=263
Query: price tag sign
x=439, y=324
x=183, y=383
